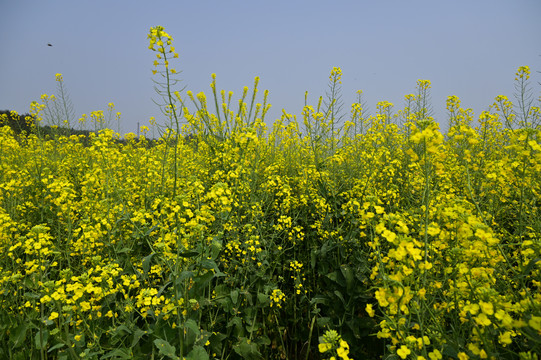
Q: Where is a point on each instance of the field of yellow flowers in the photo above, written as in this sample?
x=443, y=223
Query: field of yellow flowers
x=374, y=237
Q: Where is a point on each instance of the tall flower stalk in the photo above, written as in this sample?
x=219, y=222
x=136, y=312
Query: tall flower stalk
x=162, y=43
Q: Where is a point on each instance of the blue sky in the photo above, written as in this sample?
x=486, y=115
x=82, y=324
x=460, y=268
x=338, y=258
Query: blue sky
x=466, y=48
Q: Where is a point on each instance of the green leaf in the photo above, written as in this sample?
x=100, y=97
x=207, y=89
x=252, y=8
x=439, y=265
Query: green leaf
x=236, y=322
x=192, y=325
x=319, y=299
x=249, y=299
x=263, y=299
x=41, y=339
x=183, y=276
x=122, y=353
x=163, y=288
x=202, y=281
x=29, y=295
x=146, y=263
x=337, y=278
x=137, y=336
x=234, y=296
x=218, y=273
x=263, y=340
x=188, y=254
x=18, y=336
x=198, y=353
x=166, y=349
x=313, y=258
x=247, y=349
x=208, y=264
x=149, y=231
x=323, y=321
x=217, y=342
x=57, y=346
x=215, y=249
x=528, y=268
x=339, y=295
x=121, y=330
x=347, y=273
x=332, y=276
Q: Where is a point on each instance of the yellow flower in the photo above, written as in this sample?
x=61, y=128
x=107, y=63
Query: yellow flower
x=54, y=315
x=343, y=350
x=369, y=310
x=433, y=229
x=277, y=297
x=324, y=347
x=535, y=322
x=483, y=320
x=435, y=355
x=380, y=227
x=85, y=306
x=342, y=354
x=505, y=338
x=399, y=253
x=473, y=348
x=403, y=352
x=381, y=297
x=534, y=145
x=472, y=308
x=389, y=235
x=486, y=307
x=424, y=341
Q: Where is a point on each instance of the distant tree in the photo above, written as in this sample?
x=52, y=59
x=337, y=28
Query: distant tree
x=18, y=123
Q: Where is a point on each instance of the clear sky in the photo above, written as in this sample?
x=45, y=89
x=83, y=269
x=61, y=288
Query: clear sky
x=468, y=48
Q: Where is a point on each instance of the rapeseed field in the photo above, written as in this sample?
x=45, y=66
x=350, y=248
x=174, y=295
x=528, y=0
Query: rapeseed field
x=325, y=237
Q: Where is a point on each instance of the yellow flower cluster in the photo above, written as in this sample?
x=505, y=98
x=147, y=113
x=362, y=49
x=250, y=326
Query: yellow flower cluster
x=336, y=75
x=237, y=233
x=163, y=41
x=331, y=342
x=277, y=298
x=297, y=276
